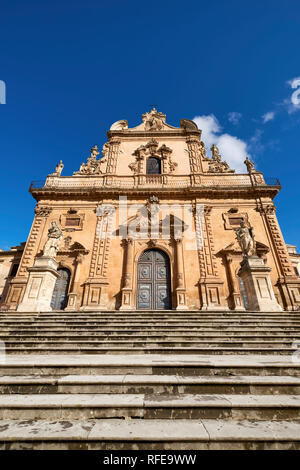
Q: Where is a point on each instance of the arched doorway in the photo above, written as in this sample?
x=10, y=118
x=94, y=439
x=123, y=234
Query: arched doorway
x=153, y=281
x=60, y=292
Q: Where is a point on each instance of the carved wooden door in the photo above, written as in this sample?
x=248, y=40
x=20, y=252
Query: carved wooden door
x=153, y=287
x=60, y=292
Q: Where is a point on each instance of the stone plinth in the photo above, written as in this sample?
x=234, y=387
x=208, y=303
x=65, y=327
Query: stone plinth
x=258, y=288
x=40, y=286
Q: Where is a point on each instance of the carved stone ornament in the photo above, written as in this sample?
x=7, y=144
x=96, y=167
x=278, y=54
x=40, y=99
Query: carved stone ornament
x=92, y=166
x=42, y=211
x=55, y=236
x=67, y=242
x=216, y=165
x=119, y=125
x=58, y=169
x=245, y=238
x=104, y=210
x=154, y=120
x=188, y=125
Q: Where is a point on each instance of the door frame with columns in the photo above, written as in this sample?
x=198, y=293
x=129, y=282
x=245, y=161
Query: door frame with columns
x=132, y=252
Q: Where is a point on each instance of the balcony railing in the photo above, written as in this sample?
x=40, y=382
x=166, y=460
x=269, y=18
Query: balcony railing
x=155, y=181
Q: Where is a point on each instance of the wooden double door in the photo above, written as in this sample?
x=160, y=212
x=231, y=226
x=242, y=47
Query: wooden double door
x=154, y=281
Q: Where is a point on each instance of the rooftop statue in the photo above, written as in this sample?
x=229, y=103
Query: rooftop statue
x=58, y=169
x=250, y=165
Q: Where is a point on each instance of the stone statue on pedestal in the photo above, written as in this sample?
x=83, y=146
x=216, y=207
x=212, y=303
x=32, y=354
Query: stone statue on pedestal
x=58, y=169
x=245, y=238
x=55, y=236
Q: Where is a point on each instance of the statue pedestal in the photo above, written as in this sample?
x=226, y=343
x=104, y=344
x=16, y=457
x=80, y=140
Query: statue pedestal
x=258, y=288
x=40, y=286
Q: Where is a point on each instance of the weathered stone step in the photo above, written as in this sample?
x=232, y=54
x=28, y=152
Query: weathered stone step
x=146, y=331
x=153, y=321
x=147, y=313
x=113, y=336
x=149, y=384
x=137, y=434
x=155, y=329
x=127, y=350
x=184, y=406
x=146, y=342
x=185, y=365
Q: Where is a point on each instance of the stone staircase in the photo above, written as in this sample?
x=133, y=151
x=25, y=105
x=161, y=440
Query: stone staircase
x=150, y=333
x=150, y=380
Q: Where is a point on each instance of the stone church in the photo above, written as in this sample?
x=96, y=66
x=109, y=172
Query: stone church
x=151, y=224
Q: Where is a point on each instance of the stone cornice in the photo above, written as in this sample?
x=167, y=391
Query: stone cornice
x=200, y=192
x=123, y=134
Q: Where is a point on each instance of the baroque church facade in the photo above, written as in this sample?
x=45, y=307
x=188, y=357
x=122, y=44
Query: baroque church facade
x=152, y=225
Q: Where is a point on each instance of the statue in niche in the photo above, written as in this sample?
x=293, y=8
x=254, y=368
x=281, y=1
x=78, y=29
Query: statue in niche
x=245, y=238
x=55, y=236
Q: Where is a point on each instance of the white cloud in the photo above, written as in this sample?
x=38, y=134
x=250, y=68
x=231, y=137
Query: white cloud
x=268, y=116
x=234, y=117
x=232, y=149
x=293, y=103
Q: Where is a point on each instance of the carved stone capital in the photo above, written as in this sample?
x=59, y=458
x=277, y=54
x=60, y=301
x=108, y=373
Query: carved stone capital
x=42, y=211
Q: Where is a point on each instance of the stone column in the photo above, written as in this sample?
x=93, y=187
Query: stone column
x=180, y=287
x=258, y=286
x=40, y=286
x=127, y=284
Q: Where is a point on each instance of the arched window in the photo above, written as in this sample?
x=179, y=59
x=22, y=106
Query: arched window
x=153, y=166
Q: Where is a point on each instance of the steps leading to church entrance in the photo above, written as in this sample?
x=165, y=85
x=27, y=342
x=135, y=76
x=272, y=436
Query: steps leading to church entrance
x=241, y=392
x=157, y=332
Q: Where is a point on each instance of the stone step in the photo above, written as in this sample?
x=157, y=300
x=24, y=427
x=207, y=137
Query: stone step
x=149, y=384
x=132, y=330
x=145, y=331
x=183, y=406
x=152, y=336
x=154, y=321
x=150, y=364
x=112, y=313
x=133, y=342
x=150, y=434
x=128, y=350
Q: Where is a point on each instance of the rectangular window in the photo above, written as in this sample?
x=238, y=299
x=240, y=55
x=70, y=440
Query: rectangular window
x=235, y=221
x=72, y=221
x=296, y=271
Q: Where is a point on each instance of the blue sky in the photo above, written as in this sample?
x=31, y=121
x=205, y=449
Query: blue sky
x=73, y=68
